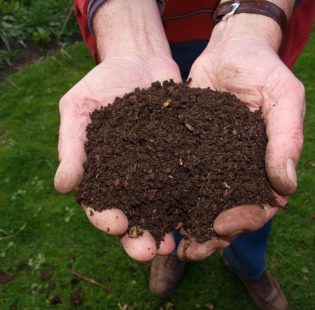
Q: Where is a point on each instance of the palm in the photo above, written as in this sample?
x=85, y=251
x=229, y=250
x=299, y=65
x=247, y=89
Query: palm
x=116, y=76
x=256, y=76
x=112, y=78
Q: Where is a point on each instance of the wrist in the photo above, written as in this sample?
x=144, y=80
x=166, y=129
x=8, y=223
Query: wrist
x=255, y=27
x=127, y=28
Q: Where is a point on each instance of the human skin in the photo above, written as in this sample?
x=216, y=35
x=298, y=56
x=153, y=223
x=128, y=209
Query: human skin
x=241, y=58
x=133, y=52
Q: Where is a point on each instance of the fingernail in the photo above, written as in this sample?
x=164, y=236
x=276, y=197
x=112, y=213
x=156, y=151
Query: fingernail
x=291, y=173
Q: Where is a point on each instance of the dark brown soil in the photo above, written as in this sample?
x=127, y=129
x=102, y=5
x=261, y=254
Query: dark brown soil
x=172, y=154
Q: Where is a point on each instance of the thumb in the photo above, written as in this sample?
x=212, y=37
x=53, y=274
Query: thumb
x=284, y=124
x=243, y=218
x=70, y=170
x=72, y=136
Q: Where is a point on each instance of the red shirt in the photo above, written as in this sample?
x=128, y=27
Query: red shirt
x=199, y=26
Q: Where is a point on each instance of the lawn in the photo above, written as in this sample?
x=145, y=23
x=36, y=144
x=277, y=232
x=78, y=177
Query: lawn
x=45, y=239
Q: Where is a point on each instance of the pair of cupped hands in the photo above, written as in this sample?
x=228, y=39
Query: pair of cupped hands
x=252, y=70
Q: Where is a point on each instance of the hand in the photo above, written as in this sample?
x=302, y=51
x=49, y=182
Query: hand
x=248, y=66
x=134, y=53
x=113, y=77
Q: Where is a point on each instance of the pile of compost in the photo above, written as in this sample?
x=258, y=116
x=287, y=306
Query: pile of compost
x=173, y=154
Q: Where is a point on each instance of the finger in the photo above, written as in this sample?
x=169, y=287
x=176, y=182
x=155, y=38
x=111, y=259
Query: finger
x=111, y=221
x=142, y=248
x=70, y=170
x=243, y=219
x=74, y=117
x=284, y=122
x=167, y=246
x=191, y=250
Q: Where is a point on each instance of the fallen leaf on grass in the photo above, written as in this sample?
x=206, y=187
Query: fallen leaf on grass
x=54, y=300
x=5, y=278
x=76, y=298
x=46, y=274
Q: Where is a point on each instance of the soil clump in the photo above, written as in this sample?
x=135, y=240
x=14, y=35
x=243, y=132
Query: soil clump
x=173, y=154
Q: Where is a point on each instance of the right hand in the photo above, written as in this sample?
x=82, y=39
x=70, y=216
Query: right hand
x=113, y=77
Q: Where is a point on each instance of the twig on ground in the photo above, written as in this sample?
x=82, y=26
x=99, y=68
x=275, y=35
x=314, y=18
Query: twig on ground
x=13, y=84
x=87, y=279
x=15, y=234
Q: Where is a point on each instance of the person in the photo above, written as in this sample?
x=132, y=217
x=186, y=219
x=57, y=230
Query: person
x=247, y=54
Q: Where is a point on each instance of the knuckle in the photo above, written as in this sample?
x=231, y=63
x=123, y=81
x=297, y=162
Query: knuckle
x=300, y=89
x=64, y=102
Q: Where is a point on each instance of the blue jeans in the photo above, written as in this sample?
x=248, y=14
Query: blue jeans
x=246, y=254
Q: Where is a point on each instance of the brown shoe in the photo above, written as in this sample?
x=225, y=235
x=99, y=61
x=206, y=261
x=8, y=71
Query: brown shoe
x=166, y=274
x=266, y=293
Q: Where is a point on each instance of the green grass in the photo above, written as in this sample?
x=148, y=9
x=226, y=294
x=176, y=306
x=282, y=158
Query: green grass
x=57, y=234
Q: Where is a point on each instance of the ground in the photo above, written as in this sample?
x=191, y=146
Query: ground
x=45, y=239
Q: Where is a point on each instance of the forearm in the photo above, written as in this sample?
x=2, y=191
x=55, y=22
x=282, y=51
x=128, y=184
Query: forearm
x=124, y=27
x=258, y=28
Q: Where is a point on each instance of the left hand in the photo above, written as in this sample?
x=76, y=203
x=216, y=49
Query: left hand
x=246, y=63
